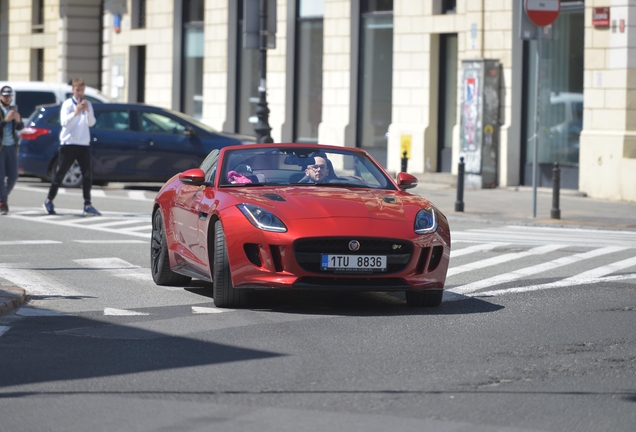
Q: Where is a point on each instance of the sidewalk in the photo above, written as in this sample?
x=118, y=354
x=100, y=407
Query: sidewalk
x=506, y=205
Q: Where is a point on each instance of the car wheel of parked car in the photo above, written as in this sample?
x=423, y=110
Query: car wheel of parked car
x=73, y=177
x=159, y=262
x=224, y=294
x=427, y=298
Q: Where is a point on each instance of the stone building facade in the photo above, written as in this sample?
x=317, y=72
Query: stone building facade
x=386, y=75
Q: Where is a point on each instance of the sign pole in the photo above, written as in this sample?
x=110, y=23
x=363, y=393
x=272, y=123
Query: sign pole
x=535, y=164
x=541, y=13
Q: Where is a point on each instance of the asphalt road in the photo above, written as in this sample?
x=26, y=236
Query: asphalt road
x=535, y=333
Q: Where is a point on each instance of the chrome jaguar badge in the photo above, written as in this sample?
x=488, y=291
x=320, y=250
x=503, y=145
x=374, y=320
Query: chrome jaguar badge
x=354, y=245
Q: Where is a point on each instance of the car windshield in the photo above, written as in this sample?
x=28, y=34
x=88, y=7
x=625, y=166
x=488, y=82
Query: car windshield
x=301, y=166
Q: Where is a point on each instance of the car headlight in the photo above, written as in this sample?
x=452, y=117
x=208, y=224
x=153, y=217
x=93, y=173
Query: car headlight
x=425, y=221
x=262, y=219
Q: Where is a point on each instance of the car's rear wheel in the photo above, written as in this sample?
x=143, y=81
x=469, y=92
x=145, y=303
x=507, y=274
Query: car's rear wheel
x=159, y=261
x=72, y=178
x=427, y=298
x=225, y=296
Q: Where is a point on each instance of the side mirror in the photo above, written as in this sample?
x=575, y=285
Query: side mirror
x=189, y=132
x=193, y=177
x=406, y=181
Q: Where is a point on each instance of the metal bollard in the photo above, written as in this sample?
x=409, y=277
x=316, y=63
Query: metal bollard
x=459, y=204
x=555, y=213
x=405, y=161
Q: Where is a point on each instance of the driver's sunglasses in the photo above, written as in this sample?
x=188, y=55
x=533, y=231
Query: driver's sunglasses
x=317, y=167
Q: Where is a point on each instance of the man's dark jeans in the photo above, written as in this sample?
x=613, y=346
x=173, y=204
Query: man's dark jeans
x=68, y=154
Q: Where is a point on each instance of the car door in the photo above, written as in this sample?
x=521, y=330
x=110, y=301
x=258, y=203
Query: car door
x=114, y=147
x=190, y=213
x=170, y=146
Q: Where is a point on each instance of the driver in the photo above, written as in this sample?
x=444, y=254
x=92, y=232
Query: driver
x=318, y=172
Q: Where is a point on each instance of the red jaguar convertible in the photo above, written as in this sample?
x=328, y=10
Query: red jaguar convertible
x=298, y=217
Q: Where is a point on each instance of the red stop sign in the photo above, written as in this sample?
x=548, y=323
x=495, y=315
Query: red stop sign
x=542, y=12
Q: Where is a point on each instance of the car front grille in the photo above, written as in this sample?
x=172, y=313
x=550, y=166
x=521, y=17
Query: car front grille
x=308, y=252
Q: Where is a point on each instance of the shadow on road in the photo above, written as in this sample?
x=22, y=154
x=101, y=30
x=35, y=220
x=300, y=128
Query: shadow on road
x=347, y=303
x=71, y=348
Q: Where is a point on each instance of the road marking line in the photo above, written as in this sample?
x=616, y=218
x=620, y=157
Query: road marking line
x=111, y=241
x=502, y=259
x=588, y=277
x=115, y=223
x=122, y=269
x=34, y=281
x=122, y=312
x=535, y=235
x=137, y=195
x=208, y=310
x=58, y=220
x=4, y=329
x=138, y=228
x=539, y=268
x=98, y=193
x=476, y=248
x=28, y=242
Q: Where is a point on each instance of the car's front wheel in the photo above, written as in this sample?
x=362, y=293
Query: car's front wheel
x=225, y=296
x=159, y=261
x=426, y=298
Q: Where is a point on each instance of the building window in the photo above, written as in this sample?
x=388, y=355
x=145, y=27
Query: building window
x=376, y=76
x=192, y=56
x=443, y=7
x=37, y=21
x=448, y=6
x=247, y=78
x=37, y=65
x=447, y=100
x=309, y=51
x=137, y=74
x=560, y=99
x=138, y=14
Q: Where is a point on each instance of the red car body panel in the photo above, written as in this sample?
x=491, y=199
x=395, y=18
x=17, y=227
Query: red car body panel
x=265, y=259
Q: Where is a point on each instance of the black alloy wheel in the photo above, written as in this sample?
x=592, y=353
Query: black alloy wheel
x=159, y=261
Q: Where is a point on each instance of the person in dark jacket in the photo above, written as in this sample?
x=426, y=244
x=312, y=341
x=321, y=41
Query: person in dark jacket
x=10, y=124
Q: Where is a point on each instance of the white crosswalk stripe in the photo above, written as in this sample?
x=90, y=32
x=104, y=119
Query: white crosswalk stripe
x=35, y=282
x=536, y=269
x=502, y=259
x=136, y=225
x=474, y=249
x=120, y=268
x=543, y=235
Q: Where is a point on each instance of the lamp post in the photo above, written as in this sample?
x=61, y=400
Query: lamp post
x=262, y=127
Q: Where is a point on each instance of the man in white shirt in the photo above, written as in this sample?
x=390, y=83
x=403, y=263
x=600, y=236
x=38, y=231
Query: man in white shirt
x=76, y=117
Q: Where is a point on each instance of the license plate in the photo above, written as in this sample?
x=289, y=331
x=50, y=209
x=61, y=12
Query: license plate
x=354, y=262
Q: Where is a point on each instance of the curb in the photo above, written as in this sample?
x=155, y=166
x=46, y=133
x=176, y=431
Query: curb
x=11, y=297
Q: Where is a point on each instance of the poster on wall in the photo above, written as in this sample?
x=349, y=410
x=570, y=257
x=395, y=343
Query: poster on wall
x=471, y=124
x=479, y=123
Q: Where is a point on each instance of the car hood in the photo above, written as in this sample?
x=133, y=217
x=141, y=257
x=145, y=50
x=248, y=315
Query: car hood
x=321, y=202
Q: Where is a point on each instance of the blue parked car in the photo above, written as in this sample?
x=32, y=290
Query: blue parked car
x=129, y=143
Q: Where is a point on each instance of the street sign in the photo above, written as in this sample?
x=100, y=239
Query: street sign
x=542, y=12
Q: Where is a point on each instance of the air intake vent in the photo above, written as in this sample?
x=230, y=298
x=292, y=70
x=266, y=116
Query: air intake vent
x=436, y=257
x=251, y=250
